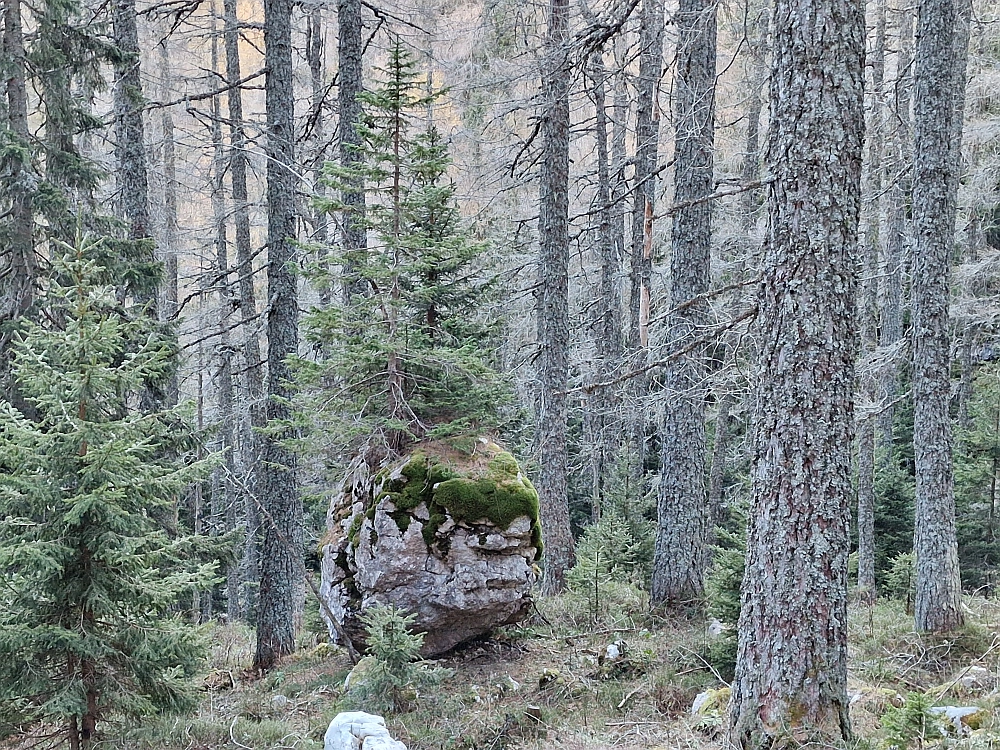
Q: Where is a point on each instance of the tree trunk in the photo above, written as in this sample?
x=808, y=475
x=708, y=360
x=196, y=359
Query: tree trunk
x=282, y=507
x=683, y=521
x=130, y=149
x=18, y=266
x=253, y=377
x=608, y=339
x=791, y=671
x=868, y=312
x=349, y=76
x=717, y=473
x=21, y=272
x=314, y=56
x=168, y=249
x=938, y=603
x=553, y=303
x=897, y=166
x=225, y=474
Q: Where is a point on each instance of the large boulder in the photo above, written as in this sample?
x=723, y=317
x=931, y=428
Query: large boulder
x=449, y=533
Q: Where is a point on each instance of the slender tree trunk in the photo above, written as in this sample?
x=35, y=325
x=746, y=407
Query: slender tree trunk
x=868, y=311
x=130, y=149
x=349, y=77
x=608, y=341
x=791, y=671
x=553, y=303
x=897, y=174
x=18, y=266
x=168, y=250
x=253, y=377
x=717, y=474
x=18, y=282
x=225, y=474
x=938, y=604
x=314, y=56
x=280, y=563
x=683, y=517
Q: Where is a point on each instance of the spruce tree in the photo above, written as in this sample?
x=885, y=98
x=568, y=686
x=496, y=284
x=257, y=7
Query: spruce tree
x=405, y=360
x=88, y=573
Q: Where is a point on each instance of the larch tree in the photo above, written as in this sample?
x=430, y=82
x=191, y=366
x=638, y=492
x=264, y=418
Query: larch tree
x=280, y=563
x=791, y=671
x=253, y=374
x=350, y=52
x=683, y=518
x=868, y=310
x=938, y=601
x=552, y=310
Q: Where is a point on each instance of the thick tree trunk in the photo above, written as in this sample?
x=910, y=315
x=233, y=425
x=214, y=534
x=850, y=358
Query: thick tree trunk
x=349, y=78
x=938, y=604
x=791, y=672
x=253, y=377
x=683, y=520
x=282, y=507
x=553, y=303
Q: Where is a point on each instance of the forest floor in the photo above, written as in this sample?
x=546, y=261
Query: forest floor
x=540, y=684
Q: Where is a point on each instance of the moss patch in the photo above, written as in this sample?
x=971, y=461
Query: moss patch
x=481, y=483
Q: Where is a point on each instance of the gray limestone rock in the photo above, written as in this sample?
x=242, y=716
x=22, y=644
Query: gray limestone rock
x=448, y=535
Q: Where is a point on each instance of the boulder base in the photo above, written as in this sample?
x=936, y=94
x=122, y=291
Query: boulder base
x=449, y=533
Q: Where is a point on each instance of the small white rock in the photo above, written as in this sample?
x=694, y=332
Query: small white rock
x=357, y=730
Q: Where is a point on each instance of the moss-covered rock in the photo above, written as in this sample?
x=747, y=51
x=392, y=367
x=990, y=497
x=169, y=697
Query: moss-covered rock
x=449, y=532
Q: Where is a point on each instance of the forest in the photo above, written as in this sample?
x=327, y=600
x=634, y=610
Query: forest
x=529, y=374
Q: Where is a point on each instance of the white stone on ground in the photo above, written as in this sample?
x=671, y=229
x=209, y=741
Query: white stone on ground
x=356, y=730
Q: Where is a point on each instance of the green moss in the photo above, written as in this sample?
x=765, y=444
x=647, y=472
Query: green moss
x=402, y=519
x=352, y=533
x=499, y=502
x=430, y=529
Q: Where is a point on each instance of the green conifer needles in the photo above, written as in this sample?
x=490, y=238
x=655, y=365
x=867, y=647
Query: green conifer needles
x=408, y=353
x=89, y=569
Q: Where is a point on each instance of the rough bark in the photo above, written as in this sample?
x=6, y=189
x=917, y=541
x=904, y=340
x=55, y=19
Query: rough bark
x=253, y=377
x=349, y=79
x=683, y=522
x=553, y=303
x=717, y=473
x=130, y=150
x=938, y=602
x=791, y=673
x=314, y=56
x=281, y=505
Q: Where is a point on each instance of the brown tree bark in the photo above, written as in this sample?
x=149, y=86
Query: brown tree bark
x=791, y=672
x=683, y=519
x=281, y=505
x=349, y=78
x=553, y=303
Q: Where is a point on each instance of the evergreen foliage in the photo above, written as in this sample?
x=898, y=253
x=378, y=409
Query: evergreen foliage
x=410, y=357
x=90, y=575
x=396, y=676
x=977, y=470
